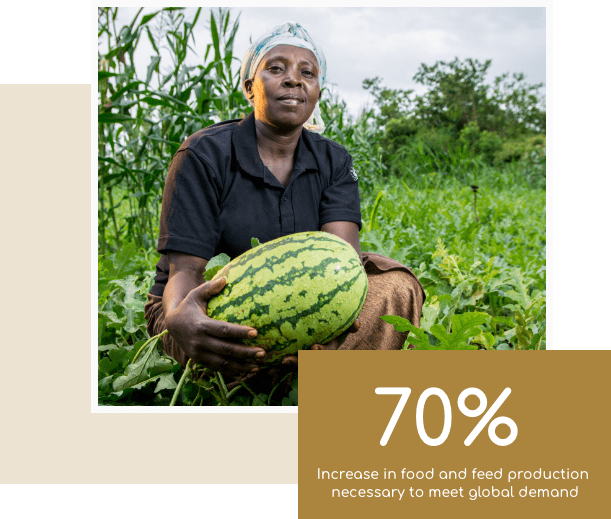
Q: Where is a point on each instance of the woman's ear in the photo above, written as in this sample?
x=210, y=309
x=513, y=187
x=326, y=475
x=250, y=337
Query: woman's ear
x=248, y=87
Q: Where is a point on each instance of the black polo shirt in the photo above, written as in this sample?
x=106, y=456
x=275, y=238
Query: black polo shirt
x=218, y=193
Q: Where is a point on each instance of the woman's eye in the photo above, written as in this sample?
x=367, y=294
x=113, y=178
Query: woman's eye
x=308, y=73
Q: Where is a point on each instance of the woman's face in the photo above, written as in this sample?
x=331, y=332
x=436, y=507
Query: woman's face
x=285, y=88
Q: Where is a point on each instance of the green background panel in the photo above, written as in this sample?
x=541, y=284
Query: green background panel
x=151, y=501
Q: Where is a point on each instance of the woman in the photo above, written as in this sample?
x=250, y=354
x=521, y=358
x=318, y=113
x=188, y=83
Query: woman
x=265, y=176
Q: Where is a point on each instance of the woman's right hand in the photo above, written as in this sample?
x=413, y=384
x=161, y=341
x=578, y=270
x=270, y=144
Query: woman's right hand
x=211, y=343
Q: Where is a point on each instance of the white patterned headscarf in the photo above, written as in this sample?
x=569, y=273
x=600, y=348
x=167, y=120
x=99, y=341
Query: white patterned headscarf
x=288, y=33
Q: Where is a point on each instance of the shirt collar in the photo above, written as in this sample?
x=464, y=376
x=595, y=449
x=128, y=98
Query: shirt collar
x=245, y=143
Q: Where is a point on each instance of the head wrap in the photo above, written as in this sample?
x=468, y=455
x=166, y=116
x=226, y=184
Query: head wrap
x=288, y=33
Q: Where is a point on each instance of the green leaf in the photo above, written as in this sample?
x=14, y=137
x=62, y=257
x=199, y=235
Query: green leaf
x=166, y=381
x=401, y=324
x=485, y=339
x=121, y=91
x=102, y=74
x=374, y=211
x=105, y=385
x=240, y=400
x=108, y=118
x=215, y=264
x=260, y=401
x=464, y=327
x=147, y=18
x=121, y=263
x=149, y=366
x=131, y=304
x=115, y=362
x=107, y=347
x=523, y=335
x=153, y=66
x=430, y=312
x=110, y=316
x=293, y=396
x=521, y=284
x=153, y=101
x=152, y=40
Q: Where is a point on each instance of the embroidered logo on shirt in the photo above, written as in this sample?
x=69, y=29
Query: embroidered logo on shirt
x=354, y=175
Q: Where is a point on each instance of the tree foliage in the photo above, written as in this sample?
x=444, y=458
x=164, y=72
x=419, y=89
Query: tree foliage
x=461, y=110
x=458, y=95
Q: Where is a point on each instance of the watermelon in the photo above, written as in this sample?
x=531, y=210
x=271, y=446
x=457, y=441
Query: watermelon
x=298, y=290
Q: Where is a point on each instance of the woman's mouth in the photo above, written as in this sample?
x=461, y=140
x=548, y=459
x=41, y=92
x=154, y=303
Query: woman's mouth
x=290, y=100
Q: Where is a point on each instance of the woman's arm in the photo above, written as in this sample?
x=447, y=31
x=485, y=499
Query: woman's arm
x=348, y=231
x=211, y=343
x=186, y=273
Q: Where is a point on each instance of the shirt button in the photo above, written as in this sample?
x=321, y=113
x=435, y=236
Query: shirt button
x=284, y=198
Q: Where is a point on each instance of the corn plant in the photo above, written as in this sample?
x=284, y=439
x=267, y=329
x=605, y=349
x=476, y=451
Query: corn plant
x=143, y=120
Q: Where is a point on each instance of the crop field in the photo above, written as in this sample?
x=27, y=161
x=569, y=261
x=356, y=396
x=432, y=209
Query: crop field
x=489, y=274
x=469, y=220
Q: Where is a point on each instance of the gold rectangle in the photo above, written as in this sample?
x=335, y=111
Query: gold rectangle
x=558, y=401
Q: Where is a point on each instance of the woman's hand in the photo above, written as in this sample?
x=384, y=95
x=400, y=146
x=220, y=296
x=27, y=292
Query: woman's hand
x=211, y=343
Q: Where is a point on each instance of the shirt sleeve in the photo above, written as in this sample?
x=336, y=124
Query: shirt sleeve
x=340, y=201
x=190, y=212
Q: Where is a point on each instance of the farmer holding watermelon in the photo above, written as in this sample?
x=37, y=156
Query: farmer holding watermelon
x=268, y=175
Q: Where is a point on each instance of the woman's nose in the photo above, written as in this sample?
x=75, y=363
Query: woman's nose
x=291, y=78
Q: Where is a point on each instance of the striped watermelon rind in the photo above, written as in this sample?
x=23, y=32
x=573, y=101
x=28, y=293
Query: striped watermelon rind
x=298, y=290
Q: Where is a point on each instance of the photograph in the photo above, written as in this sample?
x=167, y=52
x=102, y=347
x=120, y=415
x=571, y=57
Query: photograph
x=272, y=180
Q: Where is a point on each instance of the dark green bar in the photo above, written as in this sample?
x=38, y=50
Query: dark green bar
x=582, y=176
x=45, y=43
x=150, y=501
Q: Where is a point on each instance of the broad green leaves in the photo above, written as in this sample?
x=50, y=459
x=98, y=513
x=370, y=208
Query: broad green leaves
x=419, y=339
x=147, y=367
x=495, y=267
x=131, y=367
x=464, y=329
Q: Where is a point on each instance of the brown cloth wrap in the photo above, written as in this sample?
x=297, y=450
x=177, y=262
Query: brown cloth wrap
x=393, y=290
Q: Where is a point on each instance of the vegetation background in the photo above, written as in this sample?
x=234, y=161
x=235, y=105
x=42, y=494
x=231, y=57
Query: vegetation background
x=452, y=184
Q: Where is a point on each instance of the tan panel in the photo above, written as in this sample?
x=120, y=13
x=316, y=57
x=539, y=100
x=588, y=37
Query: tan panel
x=559, y=401
x=48, y=433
